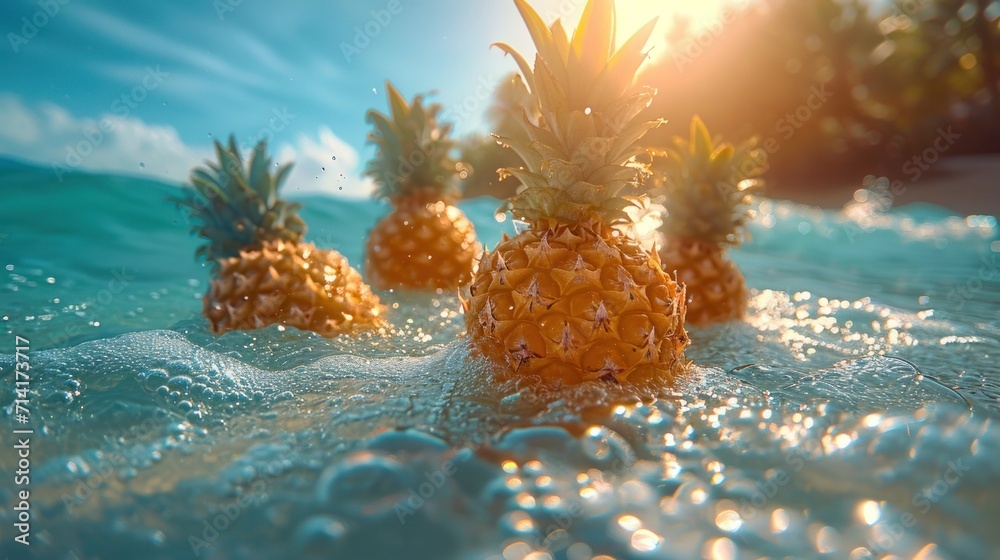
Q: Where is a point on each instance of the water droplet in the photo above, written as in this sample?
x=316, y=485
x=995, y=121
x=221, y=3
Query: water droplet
x=334, y=158
x=500, y=217
x=142, y=165
x=324, y=169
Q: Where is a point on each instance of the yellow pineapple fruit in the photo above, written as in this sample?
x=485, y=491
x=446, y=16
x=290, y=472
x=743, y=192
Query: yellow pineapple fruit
x=425, y=243
x=707, y=189
x=571, y=298
x=263, y=273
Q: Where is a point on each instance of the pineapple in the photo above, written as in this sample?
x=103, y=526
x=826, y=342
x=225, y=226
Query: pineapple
x=425, y=243
x=263, y=273
x=571, y=298
x=707, y=189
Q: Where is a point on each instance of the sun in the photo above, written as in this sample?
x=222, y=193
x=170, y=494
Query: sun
x=633, y=14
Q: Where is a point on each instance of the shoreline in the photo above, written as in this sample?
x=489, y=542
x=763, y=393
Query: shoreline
x=968, y=184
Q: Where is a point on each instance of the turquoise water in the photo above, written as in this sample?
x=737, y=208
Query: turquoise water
x=853, y=415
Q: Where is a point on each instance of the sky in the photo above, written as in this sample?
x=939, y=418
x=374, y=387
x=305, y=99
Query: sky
x=144, y=87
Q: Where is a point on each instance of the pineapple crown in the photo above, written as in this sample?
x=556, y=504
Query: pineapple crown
x=580, y=161
x=413, y=160
x=238, y=208
x=707, y=185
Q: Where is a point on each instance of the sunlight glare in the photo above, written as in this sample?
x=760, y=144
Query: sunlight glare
x=702, y=14
x=631, y=15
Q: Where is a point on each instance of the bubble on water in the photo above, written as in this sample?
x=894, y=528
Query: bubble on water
x=181, y=382
x=605, y=446
x=61, y=397
x=365, y=483
x=153, y=377
x=645, y=540
x=410, y=441
x=319, y=535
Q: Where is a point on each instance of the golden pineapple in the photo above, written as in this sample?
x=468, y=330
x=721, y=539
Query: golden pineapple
x=425, y=243
x=572, y=298
x=707, y=189
x=263, y=273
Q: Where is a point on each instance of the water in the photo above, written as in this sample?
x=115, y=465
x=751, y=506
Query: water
x=853, y=415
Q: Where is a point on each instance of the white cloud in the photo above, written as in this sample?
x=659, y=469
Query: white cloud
x=144, y=39
x=53, y=137
x=324, y=164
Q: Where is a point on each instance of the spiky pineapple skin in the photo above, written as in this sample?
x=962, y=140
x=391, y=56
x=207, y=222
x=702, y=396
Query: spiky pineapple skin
x=566, y=305
x=422, y=247
x=291, y=284
x=717, y=290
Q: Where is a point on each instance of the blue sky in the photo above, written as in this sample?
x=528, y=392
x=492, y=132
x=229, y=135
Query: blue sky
x=139, y=87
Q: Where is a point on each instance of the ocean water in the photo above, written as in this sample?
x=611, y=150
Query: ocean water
x=853, y=415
